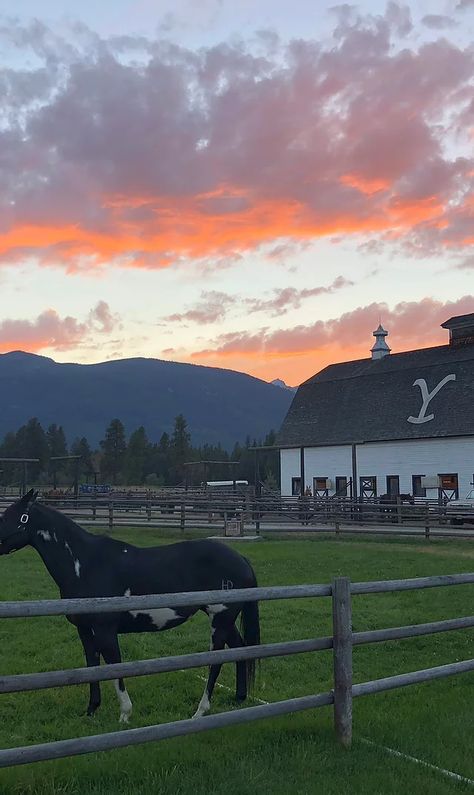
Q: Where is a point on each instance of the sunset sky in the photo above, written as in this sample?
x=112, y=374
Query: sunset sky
x=249, y=184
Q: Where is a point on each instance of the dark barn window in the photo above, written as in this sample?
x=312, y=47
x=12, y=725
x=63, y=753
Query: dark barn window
x=416, y=487
x=341, y=487
x=393, y=485
x=295, y=487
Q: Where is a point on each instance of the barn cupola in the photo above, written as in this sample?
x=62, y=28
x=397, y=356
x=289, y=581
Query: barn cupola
x=380, y=348
x=461, y=330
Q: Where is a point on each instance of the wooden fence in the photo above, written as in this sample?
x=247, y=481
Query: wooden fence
x=181, y=511
x=341, y=641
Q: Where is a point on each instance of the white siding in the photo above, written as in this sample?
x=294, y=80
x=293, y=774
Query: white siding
x=417, y=457
x=327, y=462
x=402, y=458
x=290, y=468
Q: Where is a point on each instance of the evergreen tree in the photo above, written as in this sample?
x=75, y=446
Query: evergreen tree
x=136, y=458
x=180, y=449
x=80, y=446
x=114, y=447
x=32, y=443
x=57, y=446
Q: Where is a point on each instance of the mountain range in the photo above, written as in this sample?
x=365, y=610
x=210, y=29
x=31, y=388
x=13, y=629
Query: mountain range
x=219, y=405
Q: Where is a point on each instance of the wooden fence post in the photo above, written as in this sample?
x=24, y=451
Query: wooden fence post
x=342, y=657
x=182, y=520
x=427, y=521
x=399, y=509
x=148, y=511
x=111, y=515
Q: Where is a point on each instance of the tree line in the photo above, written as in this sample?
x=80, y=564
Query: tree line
x=132, y=461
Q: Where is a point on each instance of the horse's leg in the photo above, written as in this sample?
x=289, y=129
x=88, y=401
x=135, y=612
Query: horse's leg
x=108, y=644
x=92, y=658
x=219, y=631
x=234, y=640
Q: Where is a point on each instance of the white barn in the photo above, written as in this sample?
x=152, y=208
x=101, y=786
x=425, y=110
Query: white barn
x=389, y=424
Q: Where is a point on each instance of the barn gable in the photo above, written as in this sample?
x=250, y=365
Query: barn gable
x=419, y=394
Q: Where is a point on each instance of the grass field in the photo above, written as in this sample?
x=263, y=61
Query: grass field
x=295, y=754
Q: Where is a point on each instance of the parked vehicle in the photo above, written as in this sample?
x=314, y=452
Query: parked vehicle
x=459, y=511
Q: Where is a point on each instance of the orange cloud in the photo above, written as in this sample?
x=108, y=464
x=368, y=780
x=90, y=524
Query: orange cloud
x=297, y=353
x=112, y=162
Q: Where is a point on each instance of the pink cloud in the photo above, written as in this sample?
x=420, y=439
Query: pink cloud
x=411, y=324
x=215, y=152
x=49, y=330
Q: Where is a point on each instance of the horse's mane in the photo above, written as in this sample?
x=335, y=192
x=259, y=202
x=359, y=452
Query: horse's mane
x=61, y=521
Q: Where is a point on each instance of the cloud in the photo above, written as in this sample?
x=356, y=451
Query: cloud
x=292, y=297
x=175, y=154
x=438, y=21
x=463, y=4
x=411, y=324
x=213, y=306
x=51, y=331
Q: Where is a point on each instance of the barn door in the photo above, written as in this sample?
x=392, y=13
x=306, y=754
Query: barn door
x=448, y=487
x=368, y=487
x=320, y=487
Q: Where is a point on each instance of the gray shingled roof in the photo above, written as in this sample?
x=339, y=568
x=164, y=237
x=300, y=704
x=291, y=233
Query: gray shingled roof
x=371, y=400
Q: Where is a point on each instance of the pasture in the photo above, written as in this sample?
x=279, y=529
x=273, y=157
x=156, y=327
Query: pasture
x=433, y=722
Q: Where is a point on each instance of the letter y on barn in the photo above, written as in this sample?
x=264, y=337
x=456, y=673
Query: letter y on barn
x=427, y=397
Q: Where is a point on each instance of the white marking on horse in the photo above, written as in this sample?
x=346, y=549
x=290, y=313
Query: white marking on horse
x=66, y=546
x=124, y=701
x=427, y=397
x=160, y=617
x=203, y=705
x=215, y=608
x=128, y=592
x=77, y=567
x=45, y=535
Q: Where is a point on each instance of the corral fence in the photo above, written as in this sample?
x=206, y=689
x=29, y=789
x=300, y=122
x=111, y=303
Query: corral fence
x=341, y=641
x=234, y=514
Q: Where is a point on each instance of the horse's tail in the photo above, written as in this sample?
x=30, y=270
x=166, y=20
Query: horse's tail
x=250, y=629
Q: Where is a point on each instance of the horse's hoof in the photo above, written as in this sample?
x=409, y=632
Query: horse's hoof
x=239, y=697
x=124, y=717
x=91, y=711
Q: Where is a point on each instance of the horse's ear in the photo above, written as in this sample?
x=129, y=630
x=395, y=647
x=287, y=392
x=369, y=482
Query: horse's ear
x=29, y=498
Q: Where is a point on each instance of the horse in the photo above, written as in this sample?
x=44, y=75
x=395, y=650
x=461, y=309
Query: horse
x=86, y=565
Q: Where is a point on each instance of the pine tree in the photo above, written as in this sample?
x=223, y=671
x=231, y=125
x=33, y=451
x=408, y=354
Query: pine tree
x=180, y=448
x=32, y=443
x=114, y=447
x=137, y=455
x=57, y=446
x=80, y=446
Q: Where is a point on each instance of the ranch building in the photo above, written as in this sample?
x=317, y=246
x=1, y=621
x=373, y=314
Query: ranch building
x=388, y=424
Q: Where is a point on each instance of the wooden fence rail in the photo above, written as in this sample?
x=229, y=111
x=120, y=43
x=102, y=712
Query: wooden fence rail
x=341, y=641
x=181, y=511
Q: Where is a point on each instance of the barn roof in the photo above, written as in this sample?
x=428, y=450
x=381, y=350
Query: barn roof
x=372, y=400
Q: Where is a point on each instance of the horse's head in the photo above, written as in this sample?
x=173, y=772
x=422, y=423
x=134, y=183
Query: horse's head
x=14, y=529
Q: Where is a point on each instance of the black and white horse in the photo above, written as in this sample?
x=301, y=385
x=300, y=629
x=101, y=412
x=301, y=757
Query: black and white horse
x=87, y=565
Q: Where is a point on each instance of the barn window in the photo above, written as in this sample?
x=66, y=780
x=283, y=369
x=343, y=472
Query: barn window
x=393, y=485
x=341, y=486
x=416, y=487
x=295, y=487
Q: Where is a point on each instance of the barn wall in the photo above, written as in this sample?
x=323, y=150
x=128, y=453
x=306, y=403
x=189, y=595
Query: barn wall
x=403, y=458
x=290, y=468
x=420, y=457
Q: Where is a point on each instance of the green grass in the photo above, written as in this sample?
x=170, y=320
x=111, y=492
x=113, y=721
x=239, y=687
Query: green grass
x=433, y=721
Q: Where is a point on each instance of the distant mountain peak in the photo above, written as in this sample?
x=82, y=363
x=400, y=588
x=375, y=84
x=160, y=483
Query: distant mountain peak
x=279, y=382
